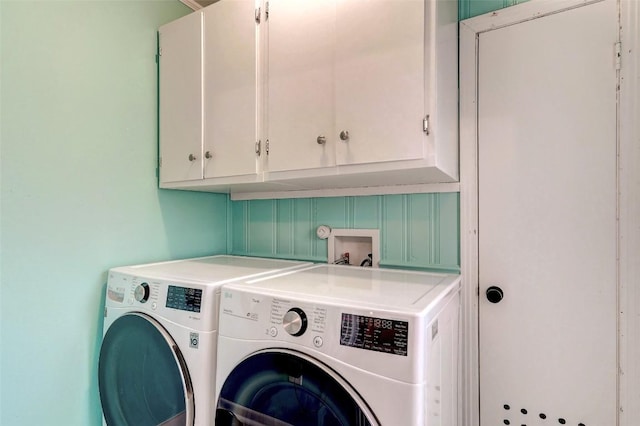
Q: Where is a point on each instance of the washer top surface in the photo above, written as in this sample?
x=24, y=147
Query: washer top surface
x=211, y=269
x=358, y=287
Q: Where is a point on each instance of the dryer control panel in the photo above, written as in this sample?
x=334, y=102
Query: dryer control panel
x=374, y=334
x=383, y=342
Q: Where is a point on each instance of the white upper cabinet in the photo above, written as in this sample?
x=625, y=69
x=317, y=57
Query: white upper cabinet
x=300, y=84
x=362, y=92
x=230, y=89
x=379, y=80
x=209, y=98
x=180, y=98
x=320, y=94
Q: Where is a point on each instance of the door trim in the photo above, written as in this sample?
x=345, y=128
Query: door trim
x=629, y=212
x=628, y=203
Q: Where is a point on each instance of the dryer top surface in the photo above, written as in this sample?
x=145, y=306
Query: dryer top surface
x=357, y=287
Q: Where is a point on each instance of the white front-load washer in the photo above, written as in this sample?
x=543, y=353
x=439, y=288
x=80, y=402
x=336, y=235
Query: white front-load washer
x=157, y=359
x=339, y=345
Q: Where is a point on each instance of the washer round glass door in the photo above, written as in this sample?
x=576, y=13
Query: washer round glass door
x=288, y=388
x=142, y=375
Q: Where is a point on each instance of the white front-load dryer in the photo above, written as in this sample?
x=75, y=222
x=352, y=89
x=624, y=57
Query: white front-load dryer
x=339, y=345
x=157, y=360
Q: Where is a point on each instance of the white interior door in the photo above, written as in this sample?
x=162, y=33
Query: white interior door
x=547, y=219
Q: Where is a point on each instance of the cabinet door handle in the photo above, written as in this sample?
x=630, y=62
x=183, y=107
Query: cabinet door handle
x=208, y=155
x=321, y=140
x=192, y=157
x=344, y=135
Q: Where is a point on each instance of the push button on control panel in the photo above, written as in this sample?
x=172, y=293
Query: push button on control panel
x=317, y=341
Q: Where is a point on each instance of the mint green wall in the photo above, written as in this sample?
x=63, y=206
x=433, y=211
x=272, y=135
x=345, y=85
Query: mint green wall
x=79, y=193
x=469, y=8
x=416, y=230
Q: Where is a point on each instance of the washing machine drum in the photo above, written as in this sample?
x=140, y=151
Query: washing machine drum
x=288, y=388
x=142, y=375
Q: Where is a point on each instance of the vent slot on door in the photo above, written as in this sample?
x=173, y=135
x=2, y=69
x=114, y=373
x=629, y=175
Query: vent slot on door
x=525, y=417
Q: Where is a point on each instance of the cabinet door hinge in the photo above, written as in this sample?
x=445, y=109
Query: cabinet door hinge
x=266, y=11
x=258, y=148
x=618, y=53
x=425, y=124
x=257, y=17
x=266, y=147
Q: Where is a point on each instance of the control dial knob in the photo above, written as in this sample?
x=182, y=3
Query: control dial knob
x=141, y=293
x=295, y=322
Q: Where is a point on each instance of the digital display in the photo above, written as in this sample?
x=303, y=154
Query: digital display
x=183, y=298
x=375, y=334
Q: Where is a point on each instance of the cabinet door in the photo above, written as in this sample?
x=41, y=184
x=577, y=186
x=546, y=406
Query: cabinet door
x=379, y=80
x=180, y=98
x=230, y=88
x=300, y=84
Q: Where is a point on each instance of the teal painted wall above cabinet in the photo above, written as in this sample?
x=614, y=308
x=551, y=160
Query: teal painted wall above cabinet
x=470, y=8
x=416, y=230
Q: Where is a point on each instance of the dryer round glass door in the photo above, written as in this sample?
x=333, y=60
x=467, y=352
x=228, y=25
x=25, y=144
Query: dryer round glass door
x=142, y=375
x=289, y=388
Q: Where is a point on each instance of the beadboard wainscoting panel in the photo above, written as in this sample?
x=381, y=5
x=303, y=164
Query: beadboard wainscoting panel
x=334, y=211
x=394, y=233
x=366, y=212
x=236, y=221
x=418, y=231
x=449, y=221
x=285, y=242
x=262, y=215
x=304, y=245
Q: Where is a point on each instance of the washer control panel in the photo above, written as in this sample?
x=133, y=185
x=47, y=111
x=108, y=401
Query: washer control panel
x=184, y=298
x=297, y=319
x=278, y=318
x=348, y=333
x=190, y=303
